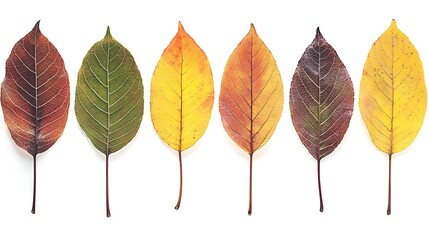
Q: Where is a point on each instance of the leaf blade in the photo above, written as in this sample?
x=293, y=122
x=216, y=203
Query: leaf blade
x=251, y=97
x=393, y=97
x=182, y=92
x=35, y=94
x=109, y=95
x=321, y=98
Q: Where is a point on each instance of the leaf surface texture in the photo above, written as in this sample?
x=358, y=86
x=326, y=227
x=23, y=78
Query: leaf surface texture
x=393, y=96
x=35, y=93
x=181, y=98
x=251, y=96
x=321, y=98
x=109, y=95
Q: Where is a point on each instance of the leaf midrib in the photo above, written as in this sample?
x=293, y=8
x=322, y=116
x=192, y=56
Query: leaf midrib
x=181, y=96
x=318, y=101
x=393, y=96
x=251, y=94
x=36, y=107
x=108, y=95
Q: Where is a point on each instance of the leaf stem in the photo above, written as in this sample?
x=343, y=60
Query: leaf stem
x=320, y=186
x=389, y=191
x=33, y=209
x=181, y=182
x=249, y=212
x=107, y=186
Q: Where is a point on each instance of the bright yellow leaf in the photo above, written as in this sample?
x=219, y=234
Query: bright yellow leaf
x=181, y=95
x=392, y=96
x=181, y=98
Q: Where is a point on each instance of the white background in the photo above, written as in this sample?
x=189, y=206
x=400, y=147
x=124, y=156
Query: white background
x=144, y=175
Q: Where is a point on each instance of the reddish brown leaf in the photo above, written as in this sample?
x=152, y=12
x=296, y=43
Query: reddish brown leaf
x=321, y=100
x=35, y=94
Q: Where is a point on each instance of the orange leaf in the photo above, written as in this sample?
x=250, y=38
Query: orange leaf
x=251, y=96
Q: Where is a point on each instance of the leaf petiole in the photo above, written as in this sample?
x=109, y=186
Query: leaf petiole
x=249, y=212
x=181, y=182
x=33, y=209
x=389, y=188
x=107, y=186
x=320, y=186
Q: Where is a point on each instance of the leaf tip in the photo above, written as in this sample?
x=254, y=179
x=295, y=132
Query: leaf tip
x=108, y=35
x=318, y=33
x=252, y=28
x=181, y=26
x=36, y=26
x=181, y=30
x=393, y=24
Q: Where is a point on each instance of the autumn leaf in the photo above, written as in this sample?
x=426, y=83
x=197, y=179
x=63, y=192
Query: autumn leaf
x=251, y=96
x=321, y=100
x=392, y=98
x=109, y=98
x=35, y=95
x=181, y=95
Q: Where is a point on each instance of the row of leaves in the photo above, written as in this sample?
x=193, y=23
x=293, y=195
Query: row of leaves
x=35, y=96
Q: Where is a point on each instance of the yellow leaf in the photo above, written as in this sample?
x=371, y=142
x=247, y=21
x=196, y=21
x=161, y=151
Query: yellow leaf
x=181, y=97
x=392, y=96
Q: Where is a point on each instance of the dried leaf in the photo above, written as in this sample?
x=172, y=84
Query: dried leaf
x=251, y=96
x=109, y=98
x=392, y=98
x=35, y=95
x=321, y=100
x=181, y=95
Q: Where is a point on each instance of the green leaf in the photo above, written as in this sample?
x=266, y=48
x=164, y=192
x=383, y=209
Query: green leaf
x=109, y=95
x=109, y=98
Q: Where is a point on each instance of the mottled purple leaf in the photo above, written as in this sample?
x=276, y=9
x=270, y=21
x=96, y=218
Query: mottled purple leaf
x=321, y=100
